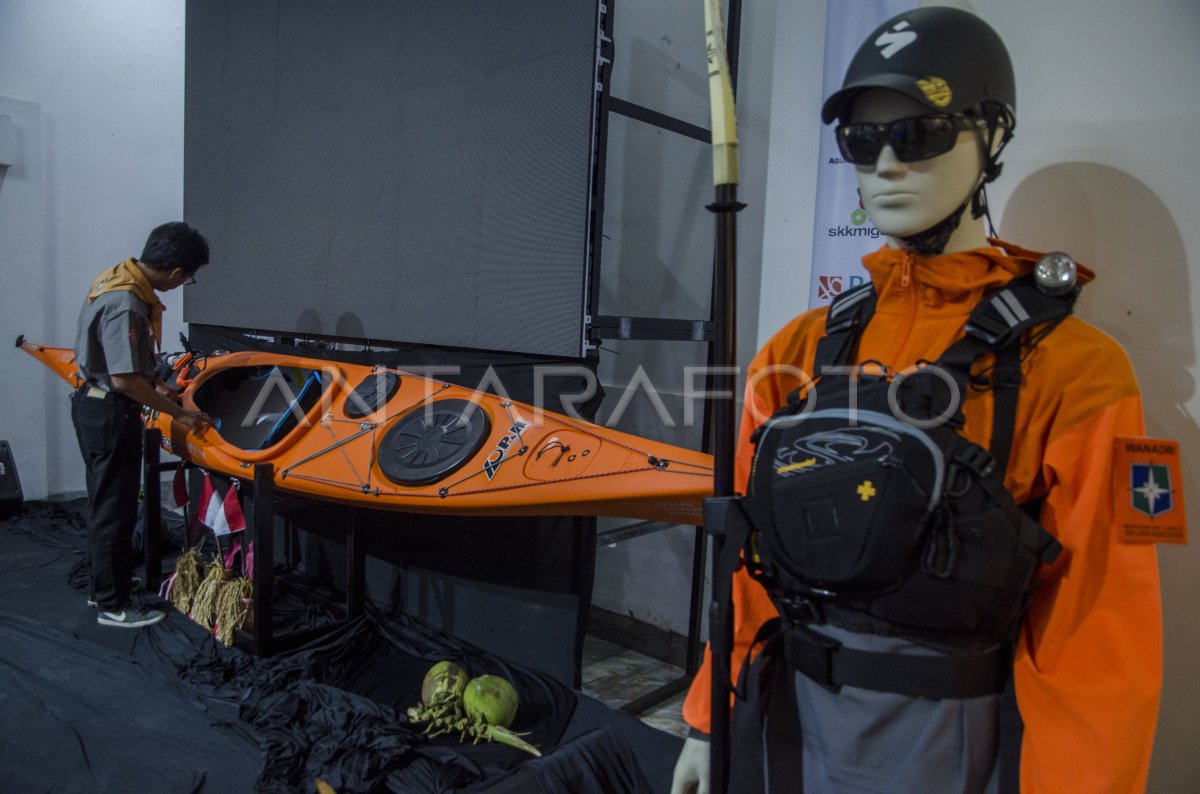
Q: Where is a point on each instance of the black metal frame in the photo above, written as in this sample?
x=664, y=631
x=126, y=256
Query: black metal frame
x=712, y=331
x=260, y=530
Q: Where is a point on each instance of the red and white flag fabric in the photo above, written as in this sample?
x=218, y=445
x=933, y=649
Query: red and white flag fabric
x=247, y=555
x=179, y=490
x=222, y=516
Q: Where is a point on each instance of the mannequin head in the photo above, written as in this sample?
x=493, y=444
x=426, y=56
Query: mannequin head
x=905, y=198
x=949, y=73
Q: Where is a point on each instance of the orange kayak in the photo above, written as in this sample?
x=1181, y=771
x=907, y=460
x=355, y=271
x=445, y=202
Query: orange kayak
x=385, y=438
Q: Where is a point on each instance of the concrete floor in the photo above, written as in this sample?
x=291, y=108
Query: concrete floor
x=616, y=675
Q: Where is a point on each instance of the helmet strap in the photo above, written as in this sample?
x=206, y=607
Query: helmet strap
x=993, y=114
x=979, y=208
x=932, y=241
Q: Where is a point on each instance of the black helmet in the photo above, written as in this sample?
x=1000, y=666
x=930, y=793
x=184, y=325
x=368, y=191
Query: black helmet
x=946, y=58
x=952, y=62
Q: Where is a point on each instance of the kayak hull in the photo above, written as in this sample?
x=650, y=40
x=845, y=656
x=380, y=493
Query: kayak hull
x=388, y=439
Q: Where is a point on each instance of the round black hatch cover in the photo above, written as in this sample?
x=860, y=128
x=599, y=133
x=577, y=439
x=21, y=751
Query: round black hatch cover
x=432, y=441
x=372, y=394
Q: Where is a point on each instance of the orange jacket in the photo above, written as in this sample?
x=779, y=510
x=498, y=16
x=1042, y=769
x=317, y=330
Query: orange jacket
x=1088, y=667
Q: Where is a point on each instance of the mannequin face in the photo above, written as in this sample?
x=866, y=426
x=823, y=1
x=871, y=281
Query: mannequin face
x=906, y=198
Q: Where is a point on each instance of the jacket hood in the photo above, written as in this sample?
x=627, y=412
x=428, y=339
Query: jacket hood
x=955, y=281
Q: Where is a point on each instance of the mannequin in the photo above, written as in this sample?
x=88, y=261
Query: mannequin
x=1078, y=393
x=901, y=199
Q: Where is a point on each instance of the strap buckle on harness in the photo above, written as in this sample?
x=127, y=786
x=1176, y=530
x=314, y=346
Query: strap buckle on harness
x=977, y=459
x=798, y=610
x=990, y=328
x=941, y=553
x=967, y=461
x=813, y=655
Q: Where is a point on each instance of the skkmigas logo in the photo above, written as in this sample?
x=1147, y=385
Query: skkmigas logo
x=858, y=226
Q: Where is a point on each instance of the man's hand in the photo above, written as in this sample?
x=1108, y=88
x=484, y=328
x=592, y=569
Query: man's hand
x=691, y=770
x=193, y=421
x=148, y=393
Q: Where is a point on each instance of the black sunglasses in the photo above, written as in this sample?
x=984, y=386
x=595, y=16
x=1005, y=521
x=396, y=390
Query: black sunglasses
x=190, y=280
x=917, y=138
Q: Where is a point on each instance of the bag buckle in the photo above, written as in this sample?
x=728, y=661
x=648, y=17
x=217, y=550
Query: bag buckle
x=812, y=654
x=800, y=611
x=941, y=553
x=977, y=459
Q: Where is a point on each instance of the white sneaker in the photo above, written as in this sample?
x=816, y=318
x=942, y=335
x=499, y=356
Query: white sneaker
x=130, y=617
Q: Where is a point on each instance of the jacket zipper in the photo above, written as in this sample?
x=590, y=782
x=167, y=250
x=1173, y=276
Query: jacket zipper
x=908, y=281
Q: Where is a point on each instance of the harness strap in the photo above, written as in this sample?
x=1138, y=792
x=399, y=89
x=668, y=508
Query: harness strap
x=996, y=325
x=1003, y=316
x=941, y=677
x=766, y=731
x=848, y=315
x=1006, y=383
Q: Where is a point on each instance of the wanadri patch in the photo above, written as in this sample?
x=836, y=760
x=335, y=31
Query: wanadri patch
x=1148, y=489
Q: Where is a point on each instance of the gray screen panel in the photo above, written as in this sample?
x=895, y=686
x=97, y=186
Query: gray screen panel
x=406, y=170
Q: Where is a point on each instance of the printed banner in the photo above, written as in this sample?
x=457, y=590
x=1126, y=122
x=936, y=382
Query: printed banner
x=842, y=233
x=1148, y=488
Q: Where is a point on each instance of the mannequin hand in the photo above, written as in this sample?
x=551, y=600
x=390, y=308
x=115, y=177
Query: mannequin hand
x=691, y=770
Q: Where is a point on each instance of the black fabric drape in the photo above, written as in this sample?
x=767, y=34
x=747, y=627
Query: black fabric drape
x=167, y=709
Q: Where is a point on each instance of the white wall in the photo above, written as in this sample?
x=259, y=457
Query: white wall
x=101, y=148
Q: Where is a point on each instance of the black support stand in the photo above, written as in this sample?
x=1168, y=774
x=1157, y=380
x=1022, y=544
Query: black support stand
x=260, y=531
x=152, y=508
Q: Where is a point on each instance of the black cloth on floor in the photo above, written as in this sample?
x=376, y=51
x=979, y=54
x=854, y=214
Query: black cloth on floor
x=79, y=717
x=166, y=708
x=585, y=765
x=335, y=708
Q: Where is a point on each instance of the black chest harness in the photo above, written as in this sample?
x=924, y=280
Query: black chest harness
x=869, y=510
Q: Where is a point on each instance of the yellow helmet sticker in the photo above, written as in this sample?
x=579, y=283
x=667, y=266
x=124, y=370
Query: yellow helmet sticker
x=936, y=90
x=866, y=490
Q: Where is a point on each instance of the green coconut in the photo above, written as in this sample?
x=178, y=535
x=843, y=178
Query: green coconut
x=441, y=699
x=443, y=681
x=491, y=699
x=491, y=705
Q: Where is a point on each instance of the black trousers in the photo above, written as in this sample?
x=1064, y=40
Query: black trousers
x=109, y=430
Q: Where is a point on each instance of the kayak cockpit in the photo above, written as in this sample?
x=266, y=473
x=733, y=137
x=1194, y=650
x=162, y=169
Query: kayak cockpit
x=257, y=407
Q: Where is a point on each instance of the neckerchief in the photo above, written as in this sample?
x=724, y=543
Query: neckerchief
x=128, y=276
